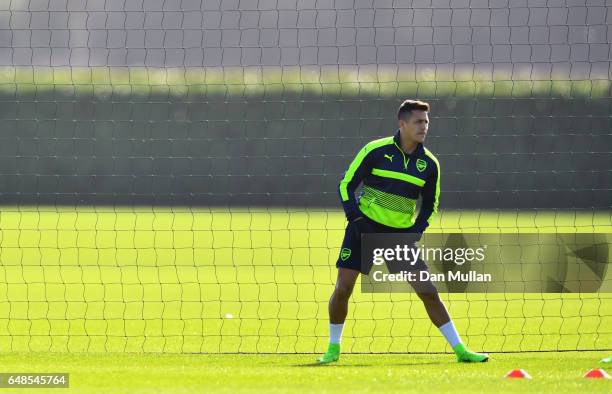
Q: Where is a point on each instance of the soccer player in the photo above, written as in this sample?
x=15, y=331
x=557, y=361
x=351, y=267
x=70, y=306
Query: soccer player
x=395, y=171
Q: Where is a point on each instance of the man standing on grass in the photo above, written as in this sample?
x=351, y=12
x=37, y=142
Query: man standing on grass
x=395, y=171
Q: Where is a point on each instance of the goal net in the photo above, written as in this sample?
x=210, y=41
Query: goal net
x=169, y=169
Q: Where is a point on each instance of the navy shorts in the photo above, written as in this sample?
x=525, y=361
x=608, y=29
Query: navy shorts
x=350, y=252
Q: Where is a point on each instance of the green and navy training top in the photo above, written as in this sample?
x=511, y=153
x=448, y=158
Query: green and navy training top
x=392, y=183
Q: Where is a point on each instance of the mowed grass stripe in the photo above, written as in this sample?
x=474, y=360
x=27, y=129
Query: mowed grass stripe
x=194, y=373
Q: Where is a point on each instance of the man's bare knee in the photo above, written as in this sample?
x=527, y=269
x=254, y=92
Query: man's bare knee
x=343, y=291
x=345, y=284
x=430, y=297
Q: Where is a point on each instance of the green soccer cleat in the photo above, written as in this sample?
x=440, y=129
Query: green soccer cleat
x=332, y=355
x=607, y=360
x=465, y=355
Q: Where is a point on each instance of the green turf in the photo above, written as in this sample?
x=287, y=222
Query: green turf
x=156, y=373
x=105, y=279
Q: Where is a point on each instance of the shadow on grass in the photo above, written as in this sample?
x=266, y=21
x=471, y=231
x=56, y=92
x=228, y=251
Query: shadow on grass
x=334, y=365
x=417, y=363
x=413, y=364
x=382, y=364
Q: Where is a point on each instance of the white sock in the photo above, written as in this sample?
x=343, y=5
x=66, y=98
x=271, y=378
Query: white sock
x=450, y=333
x=335, y=333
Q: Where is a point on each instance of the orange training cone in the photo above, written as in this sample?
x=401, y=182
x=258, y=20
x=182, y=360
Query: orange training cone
x=597, y=373
x=518, y=373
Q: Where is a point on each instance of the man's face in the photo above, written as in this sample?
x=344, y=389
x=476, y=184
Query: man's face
x=415, y=127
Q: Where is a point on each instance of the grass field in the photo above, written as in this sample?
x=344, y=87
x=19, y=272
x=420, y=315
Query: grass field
x=122, y=299
x=163, y=280
x=114, y=373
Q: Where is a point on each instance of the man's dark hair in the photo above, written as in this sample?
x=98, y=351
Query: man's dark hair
x=411, y=105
